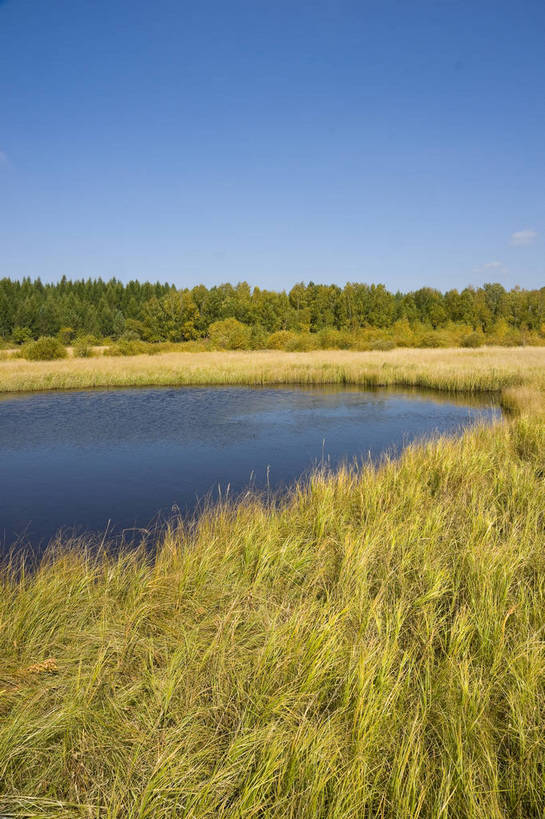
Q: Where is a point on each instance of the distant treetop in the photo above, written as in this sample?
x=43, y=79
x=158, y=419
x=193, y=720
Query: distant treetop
x=161, y=312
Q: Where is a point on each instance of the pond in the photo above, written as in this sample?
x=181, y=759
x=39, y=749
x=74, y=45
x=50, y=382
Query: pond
x=87, y=460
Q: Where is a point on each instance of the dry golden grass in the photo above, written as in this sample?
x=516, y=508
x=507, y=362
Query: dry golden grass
x=490, y=368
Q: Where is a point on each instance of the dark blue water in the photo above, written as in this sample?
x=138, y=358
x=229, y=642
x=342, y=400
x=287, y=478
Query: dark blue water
x=84, y=460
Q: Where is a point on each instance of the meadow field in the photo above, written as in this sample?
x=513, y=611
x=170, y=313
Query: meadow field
x=483, y=369
x=371, y=646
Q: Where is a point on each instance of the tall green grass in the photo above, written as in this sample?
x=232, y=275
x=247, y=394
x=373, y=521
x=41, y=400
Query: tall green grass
x=374, y=647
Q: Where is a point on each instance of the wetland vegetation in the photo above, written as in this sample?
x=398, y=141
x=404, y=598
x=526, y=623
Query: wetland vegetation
x=487, y=369
x=372, y=646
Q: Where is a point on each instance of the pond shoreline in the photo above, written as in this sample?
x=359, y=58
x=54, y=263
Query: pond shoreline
x=485, y=369
x=128, y=455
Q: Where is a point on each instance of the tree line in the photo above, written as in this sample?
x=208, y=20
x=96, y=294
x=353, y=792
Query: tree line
x=30, y=308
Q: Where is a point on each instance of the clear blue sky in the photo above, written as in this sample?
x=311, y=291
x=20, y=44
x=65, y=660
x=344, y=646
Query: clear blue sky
x=397, y=142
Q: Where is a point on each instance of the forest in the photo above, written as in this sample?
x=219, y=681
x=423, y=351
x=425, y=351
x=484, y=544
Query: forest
x=30, y=308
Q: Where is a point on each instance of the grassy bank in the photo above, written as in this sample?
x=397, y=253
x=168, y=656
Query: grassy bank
x=373, y=647
x=491, y=368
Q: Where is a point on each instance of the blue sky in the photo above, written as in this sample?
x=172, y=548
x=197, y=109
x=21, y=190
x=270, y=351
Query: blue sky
x=380, y=141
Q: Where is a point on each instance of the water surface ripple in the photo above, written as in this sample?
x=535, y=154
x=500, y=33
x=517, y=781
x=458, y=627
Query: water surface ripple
x=77, y=460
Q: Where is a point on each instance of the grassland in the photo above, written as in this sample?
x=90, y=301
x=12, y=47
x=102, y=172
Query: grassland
x=491, y=368
x=372, y=647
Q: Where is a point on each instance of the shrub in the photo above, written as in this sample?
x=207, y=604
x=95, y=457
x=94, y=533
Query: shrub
x=132, y=348
x=46, y=348
x=383, y=344
x=403, y=334
x=230, y=334
x=362, y=339
x=82, y=348
x=303, y=343
x=293, y=342
x=281, y=340
x=197, y=345
x=331, y=339
x=499, y=332
x=512, y=338
x=472, y=340
x=429, y=341
x=113, y=350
